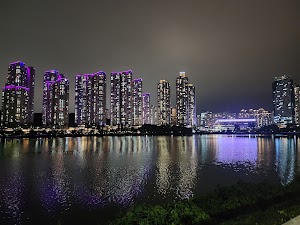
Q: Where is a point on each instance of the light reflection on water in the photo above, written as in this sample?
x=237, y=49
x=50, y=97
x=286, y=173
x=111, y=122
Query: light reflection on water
x=50, y=177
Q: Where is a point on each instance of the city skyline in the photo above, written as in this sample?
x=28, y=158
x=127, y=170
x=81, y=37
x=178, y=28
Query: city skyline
x=227, y=49
x=150, y=112
x=236, y=108
x=172, y=103
x=89, y=83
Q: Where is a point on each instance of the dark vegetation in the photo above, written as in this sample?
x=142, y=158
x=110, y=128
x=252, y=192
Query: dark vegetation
x=244, y=203
x=97, y=131
x=143, y=130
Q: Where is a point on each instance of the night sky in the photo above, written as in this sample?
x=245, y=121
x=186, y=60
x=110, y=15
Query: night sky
x=231, y=50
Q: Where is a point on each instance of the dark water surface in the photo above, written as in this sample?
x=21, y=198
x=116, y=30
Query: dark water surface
x=88, y=180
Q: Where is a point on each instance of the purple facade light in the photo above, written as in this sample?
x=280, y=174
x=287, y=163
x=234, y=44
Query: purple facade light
x=14, y=87
x=18, y=95
x=55, y=100
x=236, y=121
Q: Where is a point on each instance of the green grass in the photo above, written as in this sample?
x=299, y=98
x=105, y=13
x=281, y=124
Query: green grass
x=243, y=203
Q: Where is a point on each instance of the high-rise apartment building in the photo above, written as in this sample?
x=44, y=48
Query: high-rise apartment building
x=163, y=98
x=146, y=109
x=18, y=96
x=154, y=115
x=283, y=100
x=55, y=100
x=137, y=102
x=297, y=104
x=121, y=99
x=173, y=116
x=198, y=124
x=185, y=101
x=182, y=99
x=191, y=103
x=115, y=98
x=90, y=99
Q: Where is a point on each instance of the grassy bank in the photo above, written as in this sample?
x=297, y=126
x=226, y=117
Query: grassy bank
x=244, y=203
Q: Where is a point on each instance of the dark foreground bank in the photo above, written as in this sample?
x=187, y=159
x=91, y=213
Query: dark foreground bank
x=244, y=203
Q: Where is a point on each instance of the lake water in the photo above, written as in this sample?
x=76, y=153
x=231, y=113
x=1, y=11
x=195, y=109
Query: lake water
x=90, y=179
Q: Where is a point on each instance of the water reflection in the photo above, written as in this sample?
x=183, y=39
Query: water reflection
x=187, y=159
x=53, y=185
x=285, y=159
x=163, y=165
x=56, y=175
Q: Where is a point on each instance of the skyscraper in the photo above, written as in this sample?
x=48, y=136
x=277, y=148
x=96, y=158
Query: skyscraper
x=146, y=109
x=55, y=100
x=182, y=99
x=121, y=99
x=191, y=103
x=198, y=125
x=283, y=100
x=90, y=99
x=137, y=102
x=153, y=115
x=185, y=101
x=173, y=116
x=297, y=104
x=115, y=98
x=163, y=98
x=18, y=95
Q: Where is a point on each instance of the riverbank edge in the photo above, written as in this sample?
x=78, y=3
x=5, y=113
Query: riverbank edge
x=3, y=137
x=243, y=203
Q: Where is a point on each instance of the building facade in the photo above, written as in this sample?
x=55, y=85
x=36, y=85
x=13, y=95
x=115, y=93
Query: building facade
x=185, y=101
x=121, y=99
x=191, y=102
x=55, y=100
x=283, y=100
x=115, y=98
x=263, y=117
x=173, y=116
x=90, y=99
x=182, y=99
x=146, y=108
x=137, y=102
x=18, y=96
x=163, y=98
x=297, y=104
x=154, y=115
x=198, y=121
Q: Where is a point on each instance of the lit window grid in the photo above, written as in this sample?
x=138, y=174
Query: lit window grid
x=163, y=97
x=55, y=100
x=137, y=102
x=90, y=99
x=17, y=95
x=283, y=100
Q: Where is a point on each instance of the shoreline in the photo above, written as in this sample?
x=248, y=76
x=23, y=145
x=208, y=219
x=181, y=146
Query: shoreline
x=253, y=134
x=241, y=203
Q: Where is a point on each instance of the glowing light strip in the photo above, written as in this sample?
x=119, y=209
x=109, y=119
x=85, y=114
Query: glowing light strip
x=14, y=87
x=235, y=120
